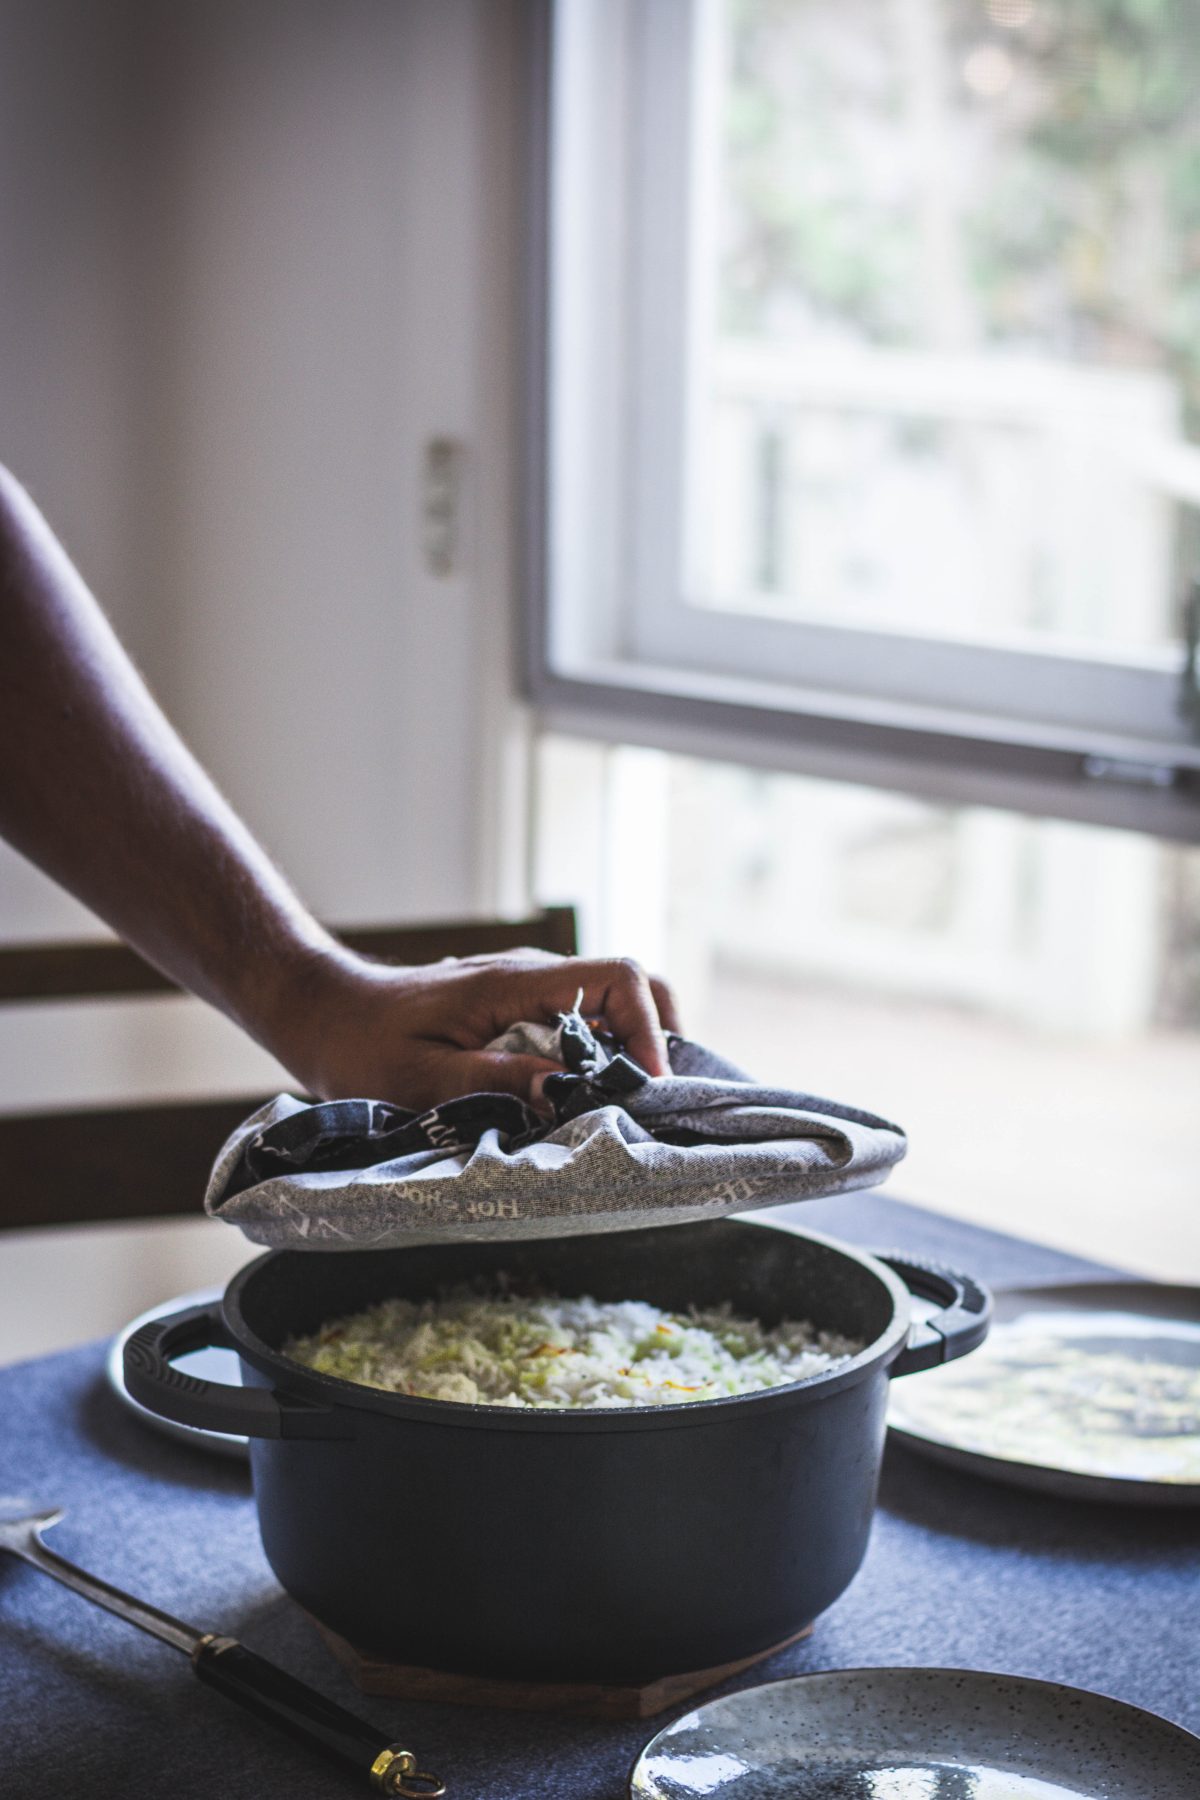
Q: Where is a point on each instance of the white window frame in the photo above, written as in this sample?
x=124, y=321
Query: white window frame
x=614, y=648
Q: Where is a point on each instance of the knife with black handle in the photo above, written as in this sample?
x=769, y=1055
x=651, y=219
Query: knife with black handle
x=233, y=1670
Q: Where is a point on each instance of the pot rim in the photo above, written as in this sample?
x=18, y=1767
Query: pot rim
x=298, y=1380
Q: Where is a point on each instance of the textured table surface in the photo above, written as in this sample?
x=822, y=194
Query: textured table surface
x=960, y=1572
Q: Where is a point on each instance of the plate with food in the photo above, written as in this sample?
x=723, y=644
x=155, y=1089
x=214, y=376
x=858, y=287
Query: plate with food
x=1089, y=1390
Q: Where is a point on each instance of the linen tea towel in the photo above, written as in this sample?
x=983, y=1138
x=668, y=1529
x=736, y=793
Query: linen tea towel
x=623, y=1149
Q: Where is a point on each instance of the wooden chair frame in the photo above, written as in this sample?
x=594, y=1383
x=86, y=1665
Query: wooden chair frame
x=108, y=1163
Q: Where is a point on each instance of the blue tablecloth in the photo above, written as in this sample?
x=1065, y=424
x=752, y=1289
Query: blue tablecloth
x=960, y=1572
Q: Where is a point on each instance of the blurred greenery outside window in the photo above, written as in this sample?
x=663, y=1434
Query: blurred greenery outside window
x=997, y=201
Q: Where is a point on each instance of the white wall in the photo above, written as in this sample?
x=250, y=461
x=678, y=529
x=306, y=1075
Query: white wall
x=251, y=259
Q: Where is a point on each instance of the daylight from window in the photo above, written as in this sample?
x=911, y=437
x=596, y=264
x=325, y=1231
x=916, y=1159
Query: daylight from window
x=948, y=346
x=1022, y=995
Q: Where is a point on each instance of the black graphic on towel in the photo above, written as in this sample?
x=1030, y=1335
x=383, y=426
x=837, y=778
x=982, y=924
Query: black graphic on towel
x=360, y=1134
x=597, y=1072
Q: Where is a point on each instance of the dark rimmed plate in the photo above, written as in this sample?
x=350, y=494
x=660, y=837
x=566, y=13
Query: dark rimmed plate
x=211, y=1364
x=918, y=1734
x=1090, y=1391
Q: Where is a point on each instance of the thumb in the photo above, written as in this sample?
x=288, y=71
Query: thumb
x=494, y=1072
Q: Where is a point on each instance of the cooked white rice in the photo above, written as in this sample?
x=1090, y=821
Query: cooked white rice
x=508, y=1351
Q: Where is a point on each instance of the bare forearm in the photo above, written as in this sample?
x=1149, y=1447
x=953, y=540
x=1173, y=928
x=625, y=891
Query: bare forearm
x=97, y=789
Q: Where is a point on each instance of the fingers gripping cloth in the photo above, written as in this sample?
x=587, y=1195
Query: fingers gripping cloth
x=622, y=1149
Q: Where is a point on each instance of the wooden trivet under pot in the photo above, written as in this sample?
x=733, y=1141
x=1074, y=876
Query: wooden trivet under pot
x=586, y=1700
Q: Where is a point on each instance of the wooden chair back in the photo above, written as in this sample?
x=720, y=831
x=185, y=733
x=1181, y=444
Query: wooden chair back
x=106, y=1163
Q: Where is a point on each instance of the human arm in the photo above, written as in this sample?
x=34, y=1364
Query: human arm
x=97, y=788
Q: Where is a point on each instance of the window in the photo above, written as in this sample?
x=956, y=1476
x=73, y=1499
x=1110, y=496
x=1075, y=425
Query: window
x=864, y=534
x=870, y=441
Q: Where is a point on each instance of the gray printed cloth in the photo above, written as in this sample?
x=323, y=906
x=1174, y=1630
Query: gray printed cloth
x=622, y=1149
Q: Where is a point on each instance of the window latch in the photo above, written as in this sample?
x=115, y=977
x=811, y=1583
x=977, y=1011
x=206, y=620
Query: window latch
x=1189, y=691
x=1127, y=771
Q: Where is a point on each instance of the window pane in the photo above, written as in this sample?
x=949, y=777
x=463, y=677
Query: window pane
x=949, y=369
x=1022, y=995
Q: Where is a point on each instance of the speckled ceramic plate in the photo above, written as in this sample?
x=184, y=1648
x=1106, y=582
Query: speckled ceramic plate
x=918, y=1734
x=212, y=1364
x=1091, y=1391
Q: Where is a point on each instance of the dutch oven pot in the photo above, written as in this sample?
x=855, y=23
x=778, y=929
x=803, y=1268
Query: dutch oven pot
x=585, y=1546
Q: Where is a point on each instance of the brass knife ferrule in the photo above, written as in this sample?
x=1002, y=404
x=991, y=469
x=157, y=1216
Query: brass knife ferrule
x=395, y=1771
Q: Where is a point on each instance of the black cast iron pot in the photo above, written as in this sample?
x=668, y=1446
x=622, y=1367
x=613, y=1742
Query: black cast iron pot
x=583, y=1546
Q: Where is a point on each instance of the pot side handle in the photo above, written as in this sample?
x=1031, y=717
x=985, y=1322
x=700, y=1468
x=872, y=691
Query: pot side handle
x=960, y=1324
x=214, y=1405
